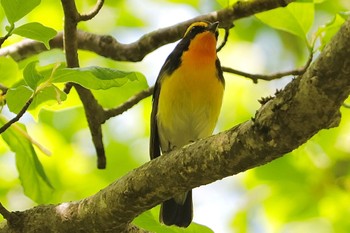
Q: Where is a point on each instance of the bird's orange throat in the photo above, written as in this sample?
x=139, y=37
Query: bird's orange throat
x=202, y=49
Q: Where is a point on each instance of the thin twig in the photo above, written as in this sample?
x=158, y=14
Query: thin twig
x=269, y=77
x=67, y=87
x=17, y=117
x=129, y=103
x=4, y=212
x=93, y=12
x=11, y=217
x=108, y=46
x=2, y=39
x=3, y=89
x=9, y=32
x=256, y=77
x=227, y=33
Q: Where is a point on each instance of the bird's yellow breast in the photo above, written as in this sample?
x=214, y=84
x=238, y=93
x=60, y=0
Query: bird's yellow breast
x=190, y=99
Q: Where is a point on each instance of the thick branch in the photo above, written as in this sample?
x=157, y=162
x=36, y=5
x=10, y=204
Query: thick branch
x=107, y=46
x=307, y=104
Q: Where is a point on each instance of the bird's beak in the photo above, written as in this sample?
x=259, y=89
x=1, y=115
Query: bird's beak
x=213, y=27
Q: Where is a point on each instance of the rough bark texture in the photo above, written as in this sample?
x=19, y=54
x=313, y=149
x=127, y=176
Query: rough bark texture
x=308, y=104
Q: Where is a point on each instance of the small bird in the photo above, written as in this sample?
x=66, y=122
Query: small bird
x=186, y=105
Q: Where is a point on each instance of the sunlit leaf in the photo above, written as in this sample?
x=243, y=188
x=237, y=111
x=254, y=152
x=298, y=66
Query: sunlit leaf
x=226, y=3
x=198, y=228
x=240, y=222
x=17, y=9
x=150, y=222
x=344, y=14
x=9, y=71
x=126, y=16
x=297, y=18
x=50, y=93
x=95, y=77
x=194, y=3
x=147, y=221
x=31, y=75
x=36, y=31
x=117, y=95
x=17, y=97
x=35, y=183
x=330, y=29
x=317, y=1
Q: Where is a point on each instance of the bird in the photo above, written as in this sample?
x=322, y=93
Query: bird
x=186, y=104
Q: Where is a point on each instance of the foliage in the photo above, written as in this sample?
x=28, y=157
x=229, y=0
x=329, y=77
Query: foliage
x=307, y=189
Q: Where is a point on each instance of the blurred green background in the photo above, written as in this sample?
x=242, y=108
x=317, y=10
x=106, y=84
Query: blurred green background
x=304, y=191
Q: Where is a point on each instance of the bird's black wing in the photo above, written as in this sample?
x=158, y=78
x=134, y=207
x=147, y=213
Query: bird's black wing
x=154, y=147
x=172, y=62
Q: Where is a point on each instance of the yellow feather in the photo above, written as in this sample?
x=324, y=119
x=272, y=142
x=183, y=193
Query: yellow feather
x=190, y=98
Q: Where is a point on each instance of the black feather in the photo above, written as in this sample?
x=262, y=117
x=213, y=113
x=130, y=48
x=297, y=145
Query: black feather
x=172, y=213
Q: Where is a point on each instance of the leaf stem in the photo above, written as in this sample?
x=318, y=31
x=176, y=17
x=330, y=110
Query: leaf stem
x=9, y=33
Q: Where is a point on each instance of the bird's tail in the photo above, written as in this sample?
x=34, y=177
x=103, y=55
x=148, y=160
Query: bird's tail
x=175, y=212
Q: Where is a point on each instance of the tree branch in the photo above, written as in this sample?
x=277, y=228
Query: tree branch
x=269, y=77
x=109, y=47
x=12, y=218
x=93, y=12
x=128, y=104
x=255, y=77
x=3, y=89
x=281, y=125
x=92, y=108
x=17, y=117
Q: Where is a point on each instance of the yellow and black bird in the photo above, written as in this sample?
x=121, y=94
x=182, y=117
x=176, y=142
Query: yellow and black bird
x=186, y=105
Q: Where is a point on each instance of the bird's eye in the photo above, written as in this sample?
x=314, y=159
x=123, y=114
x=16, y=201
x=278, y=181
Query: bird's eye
x=194, y=28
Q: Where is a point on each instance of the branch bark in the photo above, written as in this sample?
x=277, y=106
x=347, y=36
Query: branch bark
x=107, y=46
x=308, y=104
x=93, y=110
x=72, y=39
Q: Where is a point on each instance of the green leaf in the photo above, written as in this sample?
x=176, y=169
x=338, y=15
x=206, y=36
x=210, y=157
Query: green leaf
x=118, y=95
x=226, y=3
x=17, y=9
x=95, y=77
x=344, y=14
x=17, y=97
x=35, y=183
x=297, y=18
x=241, y=221
x=31, y=75
x=36, y=31
x=50, y=93
x=198, y=228
x=9, y=71
x=147, y=221
x=150, y=222
x=329, y=30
